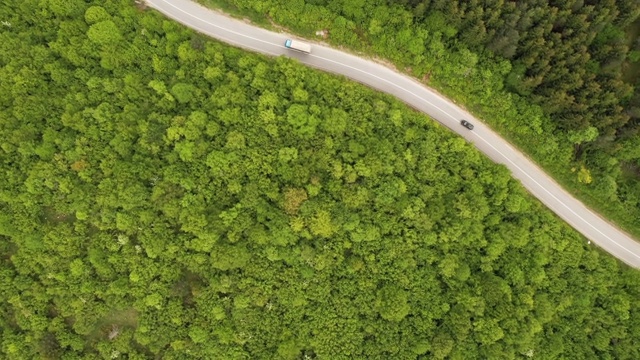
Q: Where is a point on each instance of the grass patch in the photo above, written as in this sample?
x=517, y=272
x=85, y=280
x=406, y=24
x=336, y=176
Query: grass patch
x=110, y=325
x=51, y=216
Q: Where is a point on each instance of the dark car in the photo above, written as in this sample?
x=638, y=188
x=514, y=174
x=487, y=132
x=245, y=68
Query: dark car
x=467, y=124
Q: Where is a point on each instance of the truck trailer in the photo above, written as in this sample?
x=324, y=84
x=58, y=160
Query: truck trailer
x=297, y=45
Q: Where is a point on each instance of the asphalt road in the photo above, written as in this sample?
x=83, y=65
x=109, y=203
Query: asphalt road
x=243, y=35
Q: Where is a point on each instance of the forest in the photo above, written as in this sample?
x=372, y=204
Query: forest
x=557, y=78
x=168, y=196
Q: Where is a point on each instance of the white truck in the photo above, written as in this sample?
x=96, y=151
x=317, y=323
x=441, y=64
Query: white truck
x=297, y=45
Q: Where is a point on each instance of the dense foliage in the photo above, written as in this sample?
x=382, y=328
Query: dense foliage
x=566, y=54
x=547, y=74
x=165, y=196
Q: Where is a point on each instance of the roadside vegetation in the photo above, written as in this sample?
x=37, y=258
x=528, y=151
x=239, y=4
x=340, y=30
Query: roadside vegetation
x=557, y=79
x=167, y=196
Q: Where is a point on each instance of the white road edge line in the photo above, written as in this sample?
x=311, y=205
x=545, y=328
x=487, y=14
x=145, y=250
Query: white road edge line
x=421, y=99
x=558, y=200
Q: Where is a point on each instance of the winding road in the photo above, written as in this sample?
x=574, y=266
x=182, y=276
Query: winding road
x=377, y=76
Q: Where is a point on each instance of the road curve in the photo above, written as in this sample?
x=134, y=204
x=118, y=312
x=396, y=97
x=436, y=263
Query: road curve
x=536, y=181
